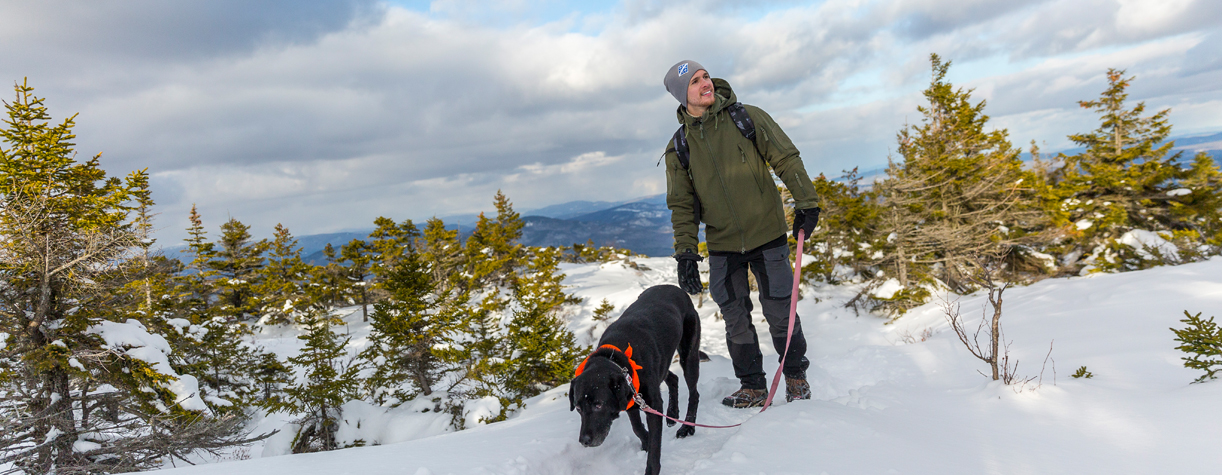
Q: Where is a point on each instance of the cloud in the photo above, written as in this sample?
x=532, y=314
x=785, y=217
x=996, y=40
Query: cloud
x=324, y=115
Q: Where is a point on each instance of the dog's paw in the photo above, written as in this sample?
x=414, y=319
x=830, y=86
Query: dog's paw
x=685, y=431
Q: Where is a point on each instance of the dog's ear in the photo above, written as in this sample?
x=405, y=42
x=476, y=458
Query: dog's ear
x=572, y=400
x=622, y=392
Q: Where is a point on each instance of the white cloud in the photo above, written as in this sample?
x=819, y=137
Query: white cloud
x=336, y=113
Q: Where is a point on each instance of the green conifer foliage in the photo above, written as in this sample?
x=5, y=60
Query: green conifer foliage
x=196, y=283
x=846, y=232
x=1198, y=206
x=357, y=258
x=388, y=242
x=67, y=236
x=414, y=335
x=959, y=199
x=329, y=379
x=492, y=250
x=440, y=248
x=283, y=280
x=271, y=376
x=237, y=263
x=1118, y=184
x=1202, y=340
x=329, y=285
x=543, y=352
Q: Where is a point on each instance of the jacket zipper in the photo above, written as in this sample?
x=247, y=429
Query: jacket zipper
x=741, y=232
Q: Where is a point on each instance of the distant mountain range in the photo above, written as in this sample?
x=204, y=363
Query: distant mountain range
x=641, y=225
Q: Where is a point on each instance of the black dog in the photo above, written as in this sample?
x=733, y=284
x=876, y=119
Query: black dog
x=634, y=355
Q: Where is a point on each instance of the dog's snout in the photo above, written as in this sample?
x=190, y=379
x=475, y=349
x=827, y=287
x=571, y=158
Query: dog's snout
x=587, y=440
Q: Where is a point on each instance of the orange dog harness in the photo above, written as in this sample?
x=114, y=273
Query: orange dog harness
x=636, y=382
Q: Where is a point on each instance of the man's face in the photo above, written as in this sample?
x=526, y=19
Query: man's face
x=700, y=90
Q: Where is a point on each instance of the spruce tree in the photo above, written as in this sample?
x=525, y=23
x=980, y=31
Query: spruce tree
x=271, y=376
x=846, y=232
x=67, y=242
x=237, y=263
x=543, y=350
x=329, y=285
x=1119, y=183
x=357, y=259
x=196, y=284
x=493, y=251
x=283, y=279
x=958, y=200
x=414, y=335
x=329, y=379
x=1202, y=340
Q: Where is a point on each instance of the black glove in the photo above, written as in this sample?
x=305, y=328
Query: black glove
x=689, y=272
x=806, y=220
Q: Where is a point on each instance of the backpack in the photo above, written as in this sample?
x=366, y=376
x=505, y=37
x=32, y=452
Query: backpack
x=741, y=119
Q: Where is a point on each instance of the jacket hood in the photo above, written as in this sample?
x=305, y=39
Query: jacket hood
x=724, y=97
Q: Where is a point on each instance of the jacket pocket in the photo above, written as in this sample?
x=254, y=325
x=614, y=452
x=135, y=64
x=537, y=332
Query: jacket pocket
x=780, y=277
x=752, y=163
x=717, y=279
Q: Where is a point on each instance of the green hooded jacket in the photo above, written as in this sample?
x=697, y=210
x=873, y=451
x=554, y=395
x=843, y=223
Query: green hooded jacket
x=741, y=207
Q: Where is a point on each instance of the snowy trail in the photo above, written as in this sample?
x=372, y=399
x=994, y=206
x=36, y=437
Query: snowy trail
x=881, y=406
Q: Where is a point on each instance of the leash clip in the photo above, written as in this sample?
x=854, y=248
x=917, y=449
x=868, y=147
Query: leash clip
x=640, y=402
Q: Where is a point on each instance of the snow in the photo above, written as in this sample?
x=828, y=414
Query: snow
x=888, y=289
x=1084, y=224
x=1179, y=192
x=1140, y=239
x=134, y=340
x=880, y=405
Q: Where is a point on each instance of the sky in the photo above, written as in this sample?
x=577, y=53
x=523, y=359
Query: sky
x=323, y=115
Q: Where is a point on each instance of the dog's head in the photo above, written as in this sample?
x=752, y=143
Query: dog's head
x=598, y=394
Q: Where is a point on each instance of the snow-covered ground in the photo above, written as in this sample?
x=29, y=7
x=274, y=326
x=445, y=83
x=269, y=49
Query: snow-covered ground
x=885, y=402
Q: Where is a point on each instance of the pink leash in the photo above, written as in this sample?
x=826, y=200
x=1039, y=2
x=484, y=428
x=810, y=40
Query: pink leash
x=776, y=379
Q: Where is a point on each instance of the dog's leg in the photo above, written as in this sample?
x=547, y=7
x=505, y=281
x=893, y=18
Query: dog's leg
x=672, y=406
x=634, y=416
x=654, y=464
x=689, y=358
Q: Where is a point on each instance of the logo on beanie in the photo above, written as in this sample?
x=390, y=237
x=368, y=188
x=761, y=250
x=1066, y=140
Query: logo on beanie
x=682, y=69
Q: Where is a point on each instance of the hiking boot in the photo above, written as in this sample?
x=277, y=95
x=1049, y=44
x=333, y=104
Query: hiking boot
x=796, y=389
x=744, y=398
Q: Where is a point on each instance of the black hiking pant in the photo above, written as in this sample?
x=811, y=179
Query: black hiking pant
x=729, y=287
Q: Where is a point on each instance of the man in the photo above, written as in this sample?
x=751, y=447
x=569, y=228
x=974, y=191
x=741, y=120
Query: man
x=726, y=184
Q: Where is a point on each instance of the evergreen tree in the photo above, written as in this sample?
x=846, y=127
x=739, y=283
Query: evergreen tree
x=67, y=236
x=493, y=251
x=845, y=236
x=330, y=379
x=271, y=376
x=357, y=258
x=237, y=263
x=543, y=352
x=329, y=285
x=1118, y=184
x=283, y=279
x=441, y=248
x=195, y=283
x=414, y=335
x=1198, y=205
x=389, y=242
x=958, y=200
x=1202, y=340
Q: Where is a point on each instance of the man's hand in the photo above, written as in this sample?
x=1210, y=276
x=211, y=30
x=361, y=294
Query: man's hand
x=689, y=272
x=806, y=220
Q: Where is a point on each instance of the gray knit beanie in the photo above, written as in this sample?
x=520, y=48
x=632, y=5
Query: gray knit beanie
x=677, y=78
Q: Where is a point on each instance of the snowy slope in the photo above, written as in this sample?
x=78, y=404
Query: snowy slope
x=881, y=406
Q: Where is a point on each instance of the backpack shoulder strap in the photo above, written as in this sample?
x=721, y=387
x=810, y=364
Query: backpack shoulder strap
x=680, y=141
x=742, y=120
